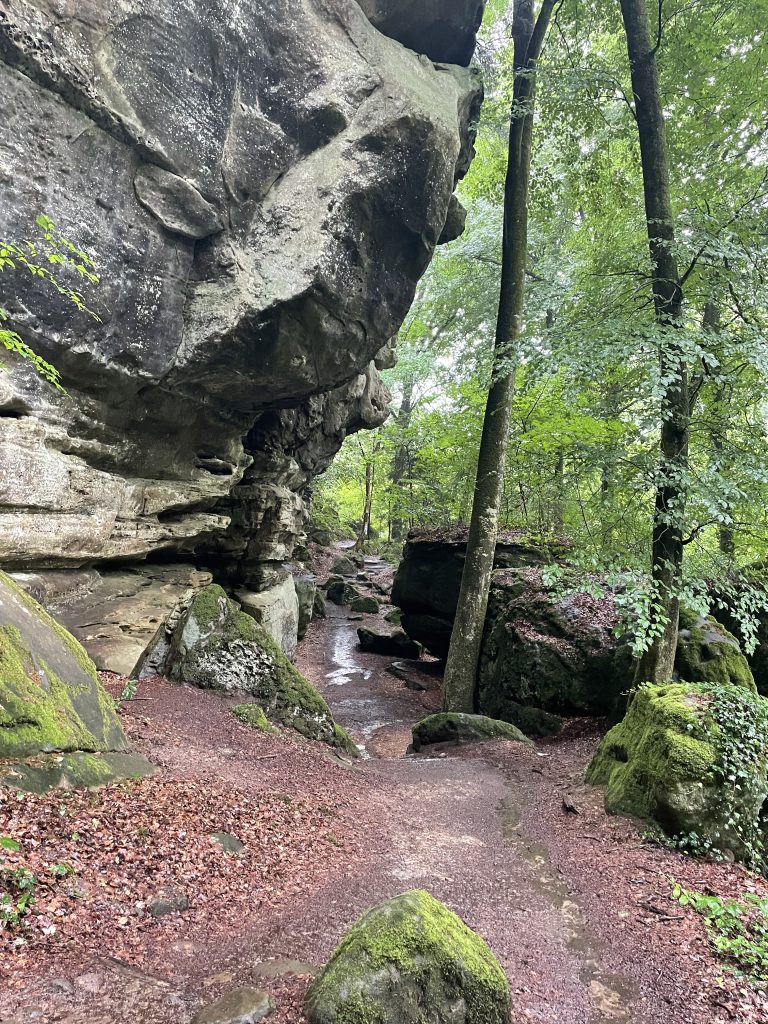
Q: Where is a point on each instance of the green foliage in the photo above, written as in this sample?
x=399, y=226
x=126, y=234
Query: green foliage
x=44, y=259
x=127, y=693
x=737, y=930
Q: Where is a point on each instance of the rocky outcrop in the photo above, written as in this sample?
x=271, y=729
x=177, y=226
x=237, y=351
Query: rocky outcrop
x=545, y=655
x=50, y=696
x=428, y=578
x=261, y=186
x=217, y=646
x=708, y=653
x=405, y=955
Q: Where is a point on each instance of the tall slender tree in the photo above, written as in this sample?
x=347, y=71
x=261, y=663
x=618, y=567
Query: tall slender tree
x=529, y=34
x=657, y=662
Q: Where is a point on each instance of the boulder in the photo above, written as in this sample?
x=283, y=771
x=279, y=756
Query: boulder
x=405, y=956
x=277, y=612
x=50, y=696
x=240, y=1006
x=344, y=566
x=340, y=592
x=396, y=644
x=551, y=654
x=216, y=645
x=708, y=653
x=667, y=762
x=394, y=616
x=428, y=579
x=442, y=29
x=318, y=606
x=457, y=728
x=368, y=605
x=78, y=770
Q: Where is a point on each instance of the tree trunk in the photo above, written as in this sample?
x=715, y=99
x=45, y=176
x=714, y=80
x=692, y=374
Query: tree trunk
x=657, y=663
x=401, y=460
x=718, y=431
x=467, y=634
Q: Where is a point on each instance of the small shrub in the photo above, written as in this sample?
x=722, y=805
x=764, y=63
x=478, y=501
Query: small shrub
x=737, y=930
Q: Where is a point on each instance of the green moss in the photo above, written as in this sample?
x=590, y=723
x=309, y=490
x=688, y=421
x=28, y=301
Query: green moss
x=409, y=959
x=452, y=727
x=252, y=715
x=369, y=605
x=669, y=760
x=34, y=717
x=707, y=652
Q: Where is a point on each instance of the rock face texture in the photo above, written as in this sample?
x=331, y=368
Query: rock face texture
x=50, y=697
x=261, y=185
x=428, y=579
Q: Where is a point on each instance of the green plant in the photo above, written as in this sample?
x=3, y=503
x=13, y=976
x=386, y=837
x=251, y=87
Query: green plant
x=41, y=258
x=737, y=722
x=17, y=890
x=127, y=693
x=737, y=929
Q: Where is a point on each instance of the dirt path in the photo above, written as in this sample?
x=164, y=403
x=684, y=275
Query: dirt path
x=575, y=906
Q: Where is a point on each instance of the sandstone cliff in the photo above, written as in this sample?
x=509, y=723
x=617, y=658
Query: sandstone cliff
x=261, y=183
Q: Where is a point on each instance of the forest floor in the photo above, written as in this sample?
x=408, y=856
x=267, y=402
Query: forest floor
x=577, y=905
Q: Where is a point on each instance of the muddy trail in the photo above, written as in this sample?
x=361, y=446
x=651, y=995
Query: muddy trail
x=576, y=905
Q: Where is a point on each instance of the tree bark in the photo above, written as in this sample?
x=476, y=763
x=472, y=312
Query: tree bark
x=401, y=460
x=466, y=637
x=657, y=663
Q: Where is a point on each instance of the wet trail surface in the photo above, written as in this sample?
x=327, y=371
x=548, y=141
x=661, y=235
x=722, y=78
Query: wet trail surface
x=457, y=825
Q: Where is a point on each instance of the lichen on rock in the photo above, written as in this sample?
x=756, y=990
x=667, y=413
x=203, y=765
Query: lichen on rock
x=405, y=958
x=217, y=646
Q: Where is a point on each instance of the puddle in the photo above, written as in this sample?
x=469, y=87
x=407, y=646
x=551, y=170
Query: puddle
x=343, y=652
x=612, y=995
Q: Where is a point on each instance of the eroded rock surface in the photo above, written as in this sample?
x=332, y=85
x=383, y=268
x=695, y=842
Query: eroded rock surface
x=261, y=186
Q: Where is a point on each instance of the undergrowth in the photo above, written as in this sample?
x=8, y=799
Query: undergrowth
x=737, y=930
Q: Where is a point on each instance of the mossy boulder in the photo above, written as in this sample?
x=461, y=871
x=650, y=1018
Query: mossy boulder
x=454, y=727
x=666, y=761
x=410, y=961
x=340, y=592
x=544, y=656
x=707, y=652
x=395, y=616
x=50, y=695
x=253, y=716
x=344, y=566
x=369, y=605
x=216, y=645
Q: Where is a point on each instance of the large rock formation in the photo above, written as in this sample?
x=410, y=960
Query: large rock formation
x=261, y=185
x=50, y=697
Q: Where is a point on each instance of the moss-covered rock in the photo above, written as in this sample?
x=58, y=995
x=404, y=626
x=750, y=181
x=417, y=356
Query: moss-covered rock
x=216, y=645
x=394, y=616
x=553, y=655
x=344, y=566
x=253, y=716
x=369, y=605
x=410, y=961
x=707, y=652
x=454, y=727
x=50, y=696
x=666, y=762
